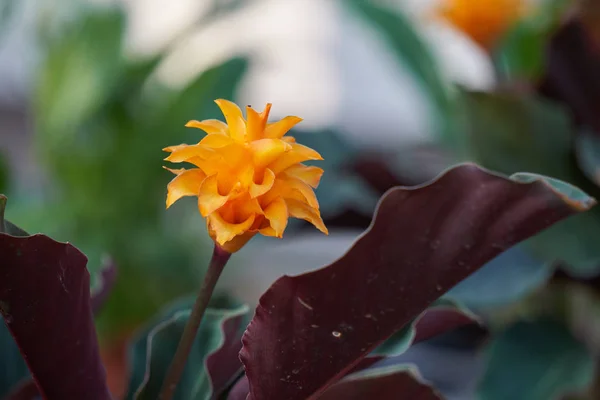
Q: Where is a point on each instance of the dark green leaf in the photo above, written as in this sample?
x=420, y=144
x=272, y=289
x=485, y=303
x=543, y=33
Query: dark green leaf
x=537, y=360
x=521, y=53
x=511, y=133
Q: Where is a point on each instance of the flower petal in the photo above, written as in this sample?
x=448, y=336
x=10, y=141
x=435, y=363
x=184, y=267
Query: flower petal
x=256, y=122
x=210, y=126
x=307, y=174
x=222, y=231
x=176, y=171
x=297, y=154
x=277, y=130
x=298, y=209
x=209, y=198
x=293, y=184
x=187, y=152
x=266, y=151
x=258, y=189
x=186, y=183
x=216, y=141
x=277, y=214
x=237, y=242
x=234, y=118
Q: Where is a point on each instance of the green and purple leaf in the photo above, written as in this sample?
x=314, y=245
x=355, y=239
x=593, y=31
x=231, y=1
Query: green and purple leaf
x=213, y=362
x=45, y=302
x=310, y=330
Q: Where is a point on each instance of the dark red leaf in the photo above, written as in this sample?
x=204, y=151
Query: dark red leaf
x=45, y=302
x=310, y=330
x=436, y=320
x=389, y=383
x=573, y=72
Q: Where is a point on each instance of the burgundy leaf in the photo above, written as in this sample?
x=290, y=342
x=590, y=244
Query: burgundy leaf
x=224, y=364
x=391, y=383
x=240, y=390
x=45, y=302
x=432, y=322
x=310, y=330
x=573, y=72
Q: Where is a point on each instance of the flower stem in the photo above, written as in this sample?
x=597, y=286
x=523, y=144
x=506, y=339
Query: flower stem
x=217, y=263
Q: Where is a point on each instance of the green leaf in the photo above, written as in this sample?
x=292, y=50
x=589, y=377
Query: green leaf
x=521, y=53
x=510, y=133
x=412, y=51
x=79, y=71
x=537, y=360
x=13, y=368
x=152, y=351
x=587, y=147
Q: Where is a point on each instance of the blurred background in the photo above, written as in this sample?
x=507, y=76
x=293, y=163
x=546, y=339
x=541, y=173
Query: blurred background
x=392, y=92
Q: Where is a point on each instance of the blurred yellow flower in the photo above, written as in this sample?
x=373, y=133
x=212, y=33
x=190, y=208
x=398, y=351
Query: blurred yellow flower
x=485, y=21
x=249, y=177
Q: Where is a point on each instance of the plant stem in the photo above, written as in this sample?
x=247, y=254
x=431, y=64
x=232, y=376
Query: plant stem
x=217, y=263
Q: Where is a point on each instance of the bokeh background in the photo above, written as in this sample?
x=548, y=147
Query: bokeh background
x=92, y=90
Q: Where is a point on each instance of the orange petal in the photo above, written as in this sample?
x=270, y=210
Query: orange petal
x=258, y=189
x=266, y=151
x=209, y=198
x=277, y=214
x=244, y=206
x=237, y=242
x=210, y=126
x=256, y=122
x=185, y=184
x=234, y=118
x=171, y=149
x=235, y=155
x=222, y=231
x=216, y=141
x=277, y=130
x=176, y=171
x=293, y=184
x=289, y=139
x=307, y=174
x=298, y=209
x=298, y=154
x=186, y=153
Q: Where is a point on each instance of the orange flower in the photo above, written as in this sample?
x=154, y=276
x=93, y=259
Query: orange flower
x=248, y=177
x=485, y=21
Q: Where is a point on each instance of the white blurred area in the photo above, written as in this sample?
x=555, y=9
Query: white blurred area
x=309, y=57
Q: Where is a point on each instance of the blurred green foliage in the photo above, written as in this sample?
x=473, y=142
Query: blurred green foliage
x=536, y=360
x=101, y=122
x=520, y=54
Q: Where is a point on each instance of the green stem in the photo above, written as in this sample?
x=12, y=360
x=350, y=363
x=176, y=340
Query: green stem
x=217, y=263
